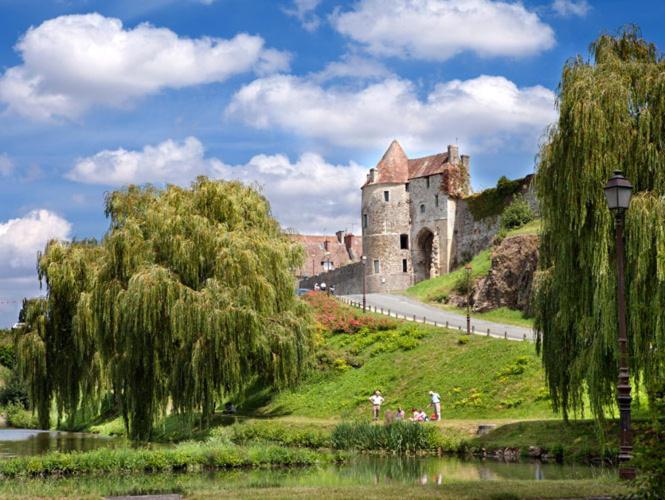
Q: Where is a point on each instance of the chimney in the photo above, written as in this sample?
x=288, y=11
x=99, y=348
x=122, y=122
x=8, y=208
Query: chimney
x=370, y=175
x=340, y=236
x=453, y=154
x=348, y=243
x=465, y=162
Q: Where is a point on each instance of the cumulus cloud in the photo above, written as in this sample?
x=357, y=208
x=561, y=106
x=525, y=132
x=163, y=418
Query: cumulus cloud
x=308, y=194
x=352, y=66
x=439, y=29
x=567, y=8
x=304, y=11
x=168, y=162
x=71, y=63
x=486, y=111
x=21, y=239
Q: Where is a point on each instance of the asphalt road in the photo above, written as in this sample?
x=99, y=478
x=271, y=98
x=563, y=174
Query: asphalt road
x=407, y=308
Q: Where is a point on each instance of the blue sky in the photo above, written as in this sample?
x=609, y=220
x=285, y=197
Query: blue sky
x=298, y=96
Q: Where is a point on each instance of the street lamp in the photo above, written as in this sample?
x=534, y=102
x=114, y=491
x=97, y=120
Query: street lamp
x=467, y=272
x=618, y=191
x=364, y=261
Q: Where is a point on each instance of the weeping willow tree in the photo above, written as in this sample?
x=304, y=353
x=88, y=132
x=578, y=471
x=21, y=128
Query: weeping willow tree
x=191, y=297
x=611, y=117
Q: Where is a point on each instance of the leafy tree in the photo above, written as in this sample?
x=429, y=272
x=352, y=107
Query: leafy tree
x=517, y=213
x=611, y=116
x=190, y=295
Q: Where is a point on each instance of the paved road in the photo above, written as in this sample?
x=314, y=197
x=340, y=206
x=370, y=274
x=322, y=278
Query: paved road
x=404, y=306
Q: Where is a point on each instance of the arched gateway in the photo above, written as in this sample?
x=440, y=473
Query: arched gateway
x=422, y=257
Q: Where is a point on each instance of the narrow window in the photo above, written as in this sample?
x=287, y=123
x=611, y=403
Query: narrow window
x=404, y=241
x=422, y=209
x=377, y=266
x=427, y=182
x=404, y=266
x=436, y=200
x=406, y=187
x=386, y=196
x=364, y=220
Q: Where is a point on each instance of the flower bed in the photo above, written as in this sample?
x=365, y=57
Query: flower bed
x=336, y=317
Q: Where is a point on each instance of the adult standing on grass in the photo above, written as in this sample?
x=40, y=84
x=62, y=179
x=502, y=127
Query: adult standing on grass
x=376, y=399
x=436, y=403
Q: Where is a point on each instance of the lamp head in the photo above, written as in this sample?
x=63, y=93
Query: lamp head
x=618, y=192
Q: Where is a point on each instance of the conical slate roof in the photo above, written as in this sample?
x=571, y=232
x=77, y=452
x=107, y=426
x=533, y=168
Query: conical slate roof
x=394, y=166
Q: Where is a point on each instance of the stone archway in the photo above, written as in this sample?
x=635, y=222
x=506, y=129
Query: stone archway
x=423, y=255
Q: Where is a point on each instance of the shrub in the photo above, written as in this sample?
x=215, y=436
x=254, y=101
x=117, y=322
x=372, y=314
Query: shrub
x=463, y=340
x=20, y=418
x=14, y=392
x=650, y=456
x=7, y=356
x=336, y=317
x=273, y=432
x=517, y=213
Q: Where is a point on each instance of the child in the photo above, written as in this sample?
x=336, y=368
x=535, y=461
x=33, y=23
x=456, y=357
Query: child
x=400, y=414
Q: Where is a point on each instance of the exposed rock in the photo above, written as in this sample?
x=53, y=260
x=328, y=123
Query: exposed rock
x=510, y=279
x=485, y=429
x=535, y=452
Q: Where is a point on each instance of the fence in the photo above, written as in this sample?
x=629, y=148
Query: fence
x=450, y=324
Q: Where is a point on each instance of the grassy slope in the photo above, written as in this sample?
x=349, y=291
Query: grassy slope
x=433, y=290
x=466, y=376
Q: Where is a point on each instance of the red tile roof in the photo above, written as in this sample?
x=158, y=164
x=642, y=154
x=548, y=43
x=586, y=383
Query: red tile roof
x=428, y=165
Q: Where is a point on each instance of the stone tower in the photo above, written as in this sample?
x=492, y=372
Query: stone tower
x=408, y=216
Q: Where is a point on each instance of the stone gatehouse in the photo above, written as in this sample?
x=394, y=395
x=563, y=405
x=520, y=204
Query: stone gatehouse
x=408, y=216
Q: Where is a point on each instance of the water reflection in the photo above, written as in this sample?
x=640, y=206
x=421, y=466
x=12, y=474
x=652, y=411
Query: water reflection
x=18, y=442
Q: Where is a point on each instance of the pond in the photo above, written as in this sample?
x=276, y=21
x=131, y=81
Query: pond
x=18, y=442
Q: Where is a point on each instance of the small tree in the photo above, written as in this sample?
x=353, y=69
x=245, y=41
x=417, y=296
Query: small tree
x=517, y=214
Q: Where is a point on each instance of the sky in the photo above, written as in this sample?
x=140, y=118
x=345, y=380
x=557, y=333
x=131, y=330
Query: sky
x=297, y=97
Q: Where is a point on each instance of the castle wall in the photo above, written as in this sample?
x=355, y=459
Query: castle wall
x=346, y=280
x=386, y=221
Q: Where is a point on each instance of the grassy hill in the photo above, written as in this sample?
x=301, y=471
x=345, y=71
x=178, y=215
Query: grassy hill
x=477, y=377
x=434, y=291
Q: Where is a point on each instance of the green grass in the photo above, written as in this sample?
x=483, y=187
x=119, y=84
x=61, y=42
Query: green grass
x=469, y=378
x=500, y=315
x=532, y=227
x=435, y=289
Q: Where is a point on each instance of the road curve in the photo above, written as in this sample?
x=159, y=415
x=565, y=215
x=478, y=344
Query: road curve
x=407, y=308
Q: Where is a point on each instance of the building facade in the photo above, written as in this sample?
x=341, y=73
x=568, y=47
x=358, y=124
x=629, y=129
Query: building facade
x=408, y=216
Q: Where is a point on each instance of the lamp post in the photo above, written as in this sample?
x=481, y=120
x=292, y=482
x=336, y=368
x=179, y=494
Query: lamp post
x=467, y=272
x=364, y=261
x=618, y=191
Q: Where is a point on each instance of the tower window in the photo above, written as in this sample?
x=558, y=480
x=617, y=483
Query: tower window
x=436, y=200
x=404, y=241
x=386, y=196
x=406, y=187
x=377, y=266
x=427, y=182
x=422, y=209
x=404, y=266
x=364, y=220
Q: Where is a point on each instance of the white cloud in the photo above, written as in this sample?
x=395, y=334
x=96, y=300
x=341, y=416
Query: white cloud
x=309, y=194
x=439, y=29
x=567, y=8
x=21, y=239
x=482, y=112
x=6, y=165
x=304, y=11
x=168, y=162
x=71, y=63
x=352, y=66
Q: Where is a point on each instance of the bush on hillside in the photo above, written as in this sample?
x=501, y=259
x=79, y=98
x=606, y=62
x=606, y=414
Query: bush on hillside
x=517, y=213
x=336, y=317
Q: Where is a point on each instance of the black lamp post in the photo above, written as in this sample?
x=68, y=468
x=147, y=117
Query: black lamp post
x=364, y=261
x=618, y=191
x=467, y=271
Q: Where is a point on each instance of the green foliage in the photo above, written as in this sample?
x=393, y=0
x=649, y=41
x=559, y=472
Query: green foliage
x=463, y=340
x=184, y=457
x=399, y=437
x=189, y=296
x=650, y=456
x=517, y=214
x=611, y=116
x=492, y=202
x=14, y=391
x=285, y=434
x=20, y=418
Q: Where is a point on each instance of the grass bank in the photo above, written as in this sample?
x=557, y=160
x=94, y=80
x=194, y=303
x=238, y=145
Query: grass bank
x=187, y=457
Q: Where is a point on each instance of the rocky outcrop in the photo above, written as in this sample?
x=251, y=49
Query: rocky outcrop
x=510, y=279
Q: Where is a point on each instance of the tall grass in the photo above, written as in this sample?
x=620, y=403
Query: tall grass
x=185, y=457
x=303, y=436
x=399, y=437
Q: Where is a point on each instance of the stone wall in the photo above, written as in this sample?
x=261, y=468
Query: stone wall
x=346, y=280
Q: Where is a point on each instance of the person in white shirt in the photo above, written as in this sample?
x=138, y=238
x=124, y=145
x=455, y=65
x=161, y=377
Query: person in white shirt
x=376, y=399
x=436, y=403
